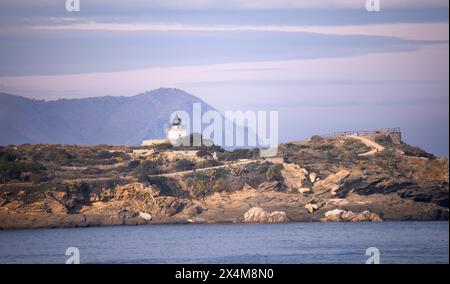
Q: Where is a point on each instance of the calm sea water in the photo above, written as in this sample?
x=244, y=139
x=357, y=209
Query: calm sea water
x=398, y=242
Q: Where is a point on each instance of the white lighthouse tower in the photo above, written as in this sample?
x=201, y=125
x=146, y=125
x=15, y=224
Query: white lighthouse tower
x=176, y=134
x=176, y=131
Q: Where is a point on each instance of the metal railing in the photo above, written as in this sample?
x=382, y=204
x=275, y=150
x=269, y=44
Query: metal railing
x=363, y=132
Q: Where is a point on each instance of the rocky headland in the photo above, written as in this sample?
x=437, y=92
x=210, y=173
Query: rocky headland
x=335, y=179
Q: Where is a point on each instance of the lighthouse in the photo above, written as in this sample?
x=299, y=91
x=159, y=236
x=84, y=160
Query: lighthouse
x=176, y=130
x=175, y=134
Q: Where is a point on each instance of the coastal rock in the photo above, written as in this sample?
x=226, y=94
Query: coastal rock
x=268, y=186
x=169, y=206
x=256, y=215
x=304, y=190
x=127, y=213
x=277, y=217
x=197, y=220
x=135, y=221
x=95, y=220
x=146, y=216
x=333, y=182
x=334, y=215
x=367, y=216
x=337, y=201
x=312, y=177
x=311, y=207
x=337, y=178
x=259, y=215
x=339, y=215
x=314, y=204
x=294, y=176
x=61, y=195
x=74, y=220
x=201, y=209
x=55, y=207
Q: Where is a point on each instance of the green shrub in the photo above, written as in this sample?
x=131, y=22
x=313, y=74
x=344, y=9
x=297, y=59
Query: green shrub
x=14, y=170
x=133, y=164
x=354, y=146
x=149, y=167
x=53, y=154
x=239, y=154
x=92, y=171
x=184, y=165
x=203, y=153
x=208, y=164
x=324, y=147
x=221, y=173
x=316, y=138
x=200, y=183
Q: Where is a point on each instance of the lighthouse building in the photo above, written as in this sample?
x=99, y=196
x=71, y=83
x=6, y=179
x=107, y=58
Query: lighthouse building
x=176, y=130
x=174, y=133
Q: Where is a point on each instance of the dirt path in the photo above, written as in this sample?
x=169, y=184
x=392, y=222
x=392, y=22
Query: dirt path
x=372, y=144
x=202, y=169
x=242, y=162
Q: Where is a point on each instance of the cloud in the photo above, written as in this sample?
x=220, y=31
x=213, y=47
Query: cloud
x=218, y=4
x=420, y=31
x=289, y=4
x=429, y=63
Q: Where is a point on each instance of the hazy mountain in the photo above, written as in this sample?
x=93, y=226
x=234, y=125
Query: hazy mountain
x=97, y=120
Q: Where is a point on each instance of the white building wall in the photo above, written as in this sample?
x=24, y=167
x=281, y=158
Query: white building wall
x=176, y=132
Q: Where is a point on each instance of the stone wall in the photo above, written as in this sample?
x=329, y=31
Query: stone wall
x=396, y=137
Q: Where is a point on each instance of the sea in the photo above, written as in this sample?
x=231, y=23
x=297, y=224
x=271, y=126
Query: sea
x=290, y=243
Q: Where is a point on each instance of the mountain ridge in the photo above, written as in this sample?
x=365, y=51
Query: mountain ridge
x=93, y=120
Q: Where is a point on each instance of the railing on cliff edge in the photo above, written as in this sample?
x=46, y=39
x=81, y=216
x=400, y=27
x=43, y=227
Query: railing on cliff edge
x=363, y=132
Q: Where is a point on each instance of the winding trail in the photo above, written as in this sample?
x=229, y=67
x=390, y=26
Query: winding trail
x=372, y=144
x=202, y=169
x=242, y=162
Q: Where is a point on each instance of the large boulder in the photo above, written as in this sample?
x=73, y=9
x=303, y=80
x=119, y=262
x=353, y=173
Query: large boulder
x=311, y=207
x=314, y=204
x=294, y=176
x=146, y=216
x=333, y=215
x=269, y=186
x=127, y=212
x=54, y=207
x=367, y=216
x=333, y=182
x=167, y=206
x=256, y=215
x=277, y=217
x=259, y=215
x=339, y=215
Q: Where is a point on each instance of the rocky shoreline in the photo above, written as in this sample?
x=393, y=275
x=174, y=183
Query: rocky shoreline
x=233, y=207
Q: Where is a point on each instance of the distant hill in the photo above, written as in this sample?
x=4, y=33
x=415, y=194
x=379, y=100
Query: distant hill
x=90, y=121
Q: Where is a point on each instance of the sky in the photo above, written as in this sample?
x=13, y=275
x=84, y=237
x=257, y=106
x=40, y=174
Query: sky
x=324, y=65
